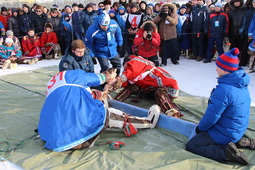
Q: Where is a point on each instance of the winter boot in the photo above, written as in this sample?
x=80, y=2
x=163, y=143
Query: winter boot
x=235, y=155
x=251, y=64
x=56, y=56
x=48, y=57
x=13, y=65
x=33, y=61
x=246, y=143
x=199, y=58
x=6, y=64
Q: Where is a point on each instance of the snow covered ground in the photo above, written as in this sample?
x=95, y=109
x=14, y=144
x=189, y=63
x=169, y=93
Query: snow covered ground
x=195, y=78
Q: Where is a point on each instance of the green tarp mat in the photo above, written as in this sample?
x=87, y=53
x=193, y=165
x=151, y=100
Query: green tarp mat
x=22, y=97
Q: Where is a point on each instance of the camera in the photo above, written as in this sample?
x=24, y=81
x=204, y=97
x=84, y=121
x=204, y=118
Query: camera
x=149, y=35
x=163, y=14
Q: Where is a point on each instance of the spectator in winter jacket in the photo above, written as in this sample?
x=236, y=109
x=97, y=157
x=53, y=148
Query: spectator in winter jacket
x=13, y=22
x=198, y=16
x=184, y=22
x=67, y=31
x=121, y=19
x=25, y=20
x=4, y=17
x=244, y=30
x=226, y=118
x=107, y=5
x=49, y=43
x=76, y=22
x=39, y=20
x=216, y=28
x=142, y=7
x=55, y=18
x=77, y=58
x=9, y=34
x=103, y=38
x=167, y=20
x=147, y=40
x=133, y=23
x=87, y=19
x=236, y=15
x=149, y=15
x=31, y=45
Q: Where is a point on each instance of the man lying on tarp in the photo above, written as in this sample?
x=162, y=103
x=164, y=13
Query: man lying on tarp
x=226, y=119
x=142, y=76
x=73, y=115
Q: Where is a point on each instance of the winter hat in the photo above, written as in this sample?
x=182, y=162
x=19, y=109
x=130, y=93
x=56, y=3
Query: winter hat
x=3, y=9
x=133, y=5
x=89, y=5
x=68, y=6
x=104, y=19
x=107, y=2
x=112, y=11
x=229, y=60
x=80, y=6
x=66, y=15
x=8, y=40
x=9, y=33
x=15, y=10
x=25, y=6
x=218, y=4
x=122, y=8
x=183, y=6
x=150, y=4
x=75, y=4
x=55, y=6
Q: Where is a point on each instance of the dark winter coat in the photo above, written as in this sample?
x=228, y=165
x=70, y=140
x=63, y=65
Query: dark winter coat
x=198, y=16
x=235, y=15
x=217, y=24
x=25, y=21
x=72, y=62
x=38, y=22
x=76, y=21
x=86, y=20
x=13, y=25
x=246, y=22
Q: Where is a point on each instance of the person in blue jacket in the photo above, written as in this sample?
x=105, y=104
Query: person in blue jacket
x=103, y=38
x=73, y=115
x=226, y=118
x=77, y=58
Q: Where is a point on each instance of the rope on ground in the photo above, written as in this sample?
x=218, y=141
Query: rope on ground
x=8, y=82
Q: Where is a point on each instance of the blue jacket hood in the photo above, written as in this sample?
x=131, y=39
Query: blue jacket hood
x=238, y=79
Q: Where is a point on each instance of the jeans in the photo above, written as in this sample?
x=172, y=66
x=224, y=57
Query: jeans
x=115, y=61
x=202, y=144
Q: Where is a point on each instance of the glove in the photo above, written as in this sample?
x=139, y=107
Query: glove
x=94, y=60
x=197, y=130
x=117, y=83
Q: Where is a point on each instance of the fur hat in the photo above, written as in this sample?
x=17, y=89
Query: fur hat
x=107, y=2
x=229, y=61
x=8, y=40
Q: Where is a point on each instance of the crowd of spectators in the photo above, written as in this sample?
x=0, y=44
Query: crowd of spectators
x=151, y=30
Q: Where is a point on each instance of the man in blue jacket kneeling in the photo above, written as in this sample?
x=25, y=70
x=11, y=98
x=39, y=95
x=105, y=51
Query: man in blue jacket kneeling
x=226, y=119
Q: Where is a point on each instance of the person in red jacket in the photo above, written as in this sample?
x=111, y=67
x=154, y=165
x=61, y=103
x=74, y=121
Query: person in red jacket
x=140, y=75
x=31, y=46
x=49, y=43
x=4, y=17
x=147, y=40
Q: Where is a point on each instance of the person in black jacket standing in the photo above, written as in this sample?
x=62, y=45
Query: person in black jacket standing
x=39, y=20
x=25, y=20
x=13, y=22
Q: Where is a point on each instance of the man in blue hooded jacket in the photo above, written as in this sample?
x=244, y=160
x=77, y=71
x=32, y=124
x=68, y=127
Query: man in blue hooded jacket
x=103, y=38
x=226, y=119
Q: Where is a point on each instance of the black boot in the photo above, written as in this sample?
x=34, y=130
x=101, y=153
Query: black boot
x=235, y=155
x=246, y=143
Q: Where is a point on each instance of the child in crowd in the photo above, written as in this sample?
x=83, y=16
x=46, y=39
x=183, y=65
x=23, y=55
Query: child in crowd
x=49, y=43
x=31, y=47
x=9, y=34
x=9, y=54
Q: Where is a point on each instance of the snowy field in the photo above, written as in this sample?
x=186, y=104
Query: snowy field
x=195, y=78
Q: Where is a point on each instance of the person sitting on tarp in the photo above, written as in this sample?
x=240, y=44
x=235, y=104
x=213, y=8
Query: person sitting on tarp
x=226, y=118
x=77, y=58
x=73, y=115
x=141, y=75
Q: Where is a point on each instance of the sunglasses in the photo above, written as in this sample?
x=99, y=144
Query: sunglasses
x=101, y=6
x=38, y=11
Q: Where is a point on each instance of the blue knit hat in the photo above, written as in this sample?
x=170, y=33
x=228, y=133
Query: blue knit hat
x=229, y=60
x=122, y=8
x=218, y=4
